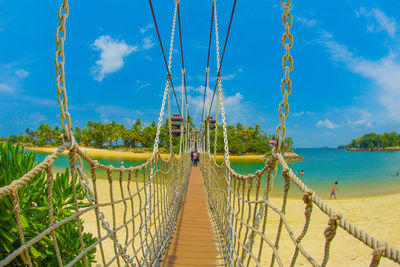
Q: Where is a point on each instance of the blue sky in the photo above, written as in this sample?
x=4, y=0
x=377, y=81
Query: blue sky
x=346, y=77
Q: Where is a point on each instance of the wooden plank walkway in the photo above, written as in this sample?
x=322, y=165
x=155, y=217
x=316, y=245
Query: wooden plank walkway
x=193, y=243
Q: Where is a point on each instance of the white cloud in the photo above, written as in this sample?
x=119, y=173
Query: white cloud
x=388, y=24
x=385, y=72
x=147, y=27
x=129, y=121
x=309, y=23
x=223, y=77
x=235, y=108
x=200, y=46
x=41, y=102
x=21, y=73
x=112, y=53
x=36, y=118
x=364, y=119
x=111, y=112
x=228, y=77
x=148, y=42
x=298, y=114
x=378, y=21
x=327, y=124
x=4, y=88
x=309, y=113
x=142, y=86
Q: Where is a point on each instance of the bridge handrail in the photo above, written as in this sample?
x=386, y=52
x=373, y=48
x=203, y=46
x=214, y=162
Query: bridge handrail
x=219, y=177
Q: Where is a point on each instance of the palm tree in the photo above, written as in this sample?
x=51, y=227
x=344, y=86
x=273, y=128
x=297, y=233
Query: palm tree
x=136, y=132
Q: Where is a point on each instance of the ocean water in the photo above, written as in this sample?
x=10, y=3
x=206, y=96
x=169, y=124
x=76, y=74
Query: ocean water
x=359, y=174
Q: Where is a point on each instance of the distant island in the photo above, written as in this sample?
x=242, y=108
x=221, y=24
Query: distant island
x=375, y=142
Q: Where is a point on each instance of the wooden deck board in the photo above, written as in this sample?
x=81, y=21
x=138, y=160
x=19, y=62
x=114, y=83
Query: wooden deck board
x=193, y=243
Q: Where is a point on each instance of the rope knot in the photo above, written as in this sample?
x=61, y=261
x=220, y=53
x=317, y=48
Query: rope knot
x=307, y=198
x=376, y=255
x=333, y=223
x=285, y=174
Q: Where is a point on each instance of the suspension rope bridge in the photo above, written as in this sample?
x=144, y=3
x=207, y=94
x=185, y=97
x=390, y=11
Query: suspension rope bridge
x=165, y=213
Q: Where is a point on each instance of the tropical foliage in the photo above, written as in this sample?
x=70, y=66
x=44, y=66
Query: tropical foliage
x=246, y=139
x=242, y=138
x=373, y=140
x=34, y=212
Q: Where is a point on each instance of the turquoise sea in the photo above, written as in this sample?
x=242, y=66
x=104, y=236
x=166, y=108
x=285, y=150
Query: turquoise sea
x=359, y=174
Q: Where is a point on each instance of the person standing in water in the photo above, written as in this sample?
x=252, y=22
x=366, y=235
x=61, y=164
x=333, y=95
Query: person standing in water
x=333, y=193
x=302, y=173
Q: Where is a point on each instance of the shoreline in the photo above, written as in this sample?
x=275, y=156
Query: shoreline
x=126, y=155
x=394, y=148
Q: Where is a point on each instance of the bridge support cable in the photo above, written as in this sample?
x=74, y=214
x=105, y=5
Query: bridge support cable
x=185, y=105
x=208, y=61
x=183, y=62
x=167, y=65
x=223, y=54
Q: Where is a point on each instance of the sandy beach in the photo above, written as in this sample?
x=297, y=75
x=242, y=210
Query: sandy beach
x=379, y=216
x=128, y=155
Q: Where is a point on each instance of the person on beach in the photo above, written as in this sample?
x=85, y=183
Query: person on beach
x=191, y=156
x=333, y=193
x=397, y=173
x=302, y=173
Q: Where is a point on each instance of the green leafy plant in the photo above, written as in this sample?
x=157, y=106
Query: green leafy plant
x=34, y=215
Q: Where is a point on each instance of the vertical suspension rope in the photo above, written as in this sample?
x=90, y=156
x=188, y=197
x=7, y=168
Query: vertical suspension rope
x=167, y=65
x=183, y=112
x=208, y=61
x=167, y=83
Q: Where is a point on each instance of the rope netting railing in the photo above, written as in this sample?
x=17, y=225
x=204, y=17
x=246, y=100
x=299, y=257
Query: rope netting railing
x=250, y=228
x=141, y=204
x=245, y=214
x=122, y=216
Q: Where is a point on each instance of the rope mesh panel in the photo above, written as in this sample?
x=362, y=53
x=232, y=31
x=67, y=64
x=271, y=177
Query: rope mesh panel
x=243, y=232
x=142, y=207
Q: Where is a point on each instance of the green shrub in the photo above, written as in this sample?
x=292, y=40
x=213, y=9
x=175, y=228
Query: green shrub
x=34, y=206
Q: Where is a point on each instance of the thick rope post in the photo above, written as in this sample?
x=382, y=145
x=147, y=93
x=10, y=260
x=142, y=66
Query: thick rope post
x=285, y=175
x=330, y=233
x=376, y=256
x=15, y=199
x=307, y=198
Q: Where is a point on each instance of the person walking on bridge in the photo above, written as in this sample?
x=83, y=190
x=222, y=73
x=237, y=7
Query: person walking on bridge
x=195, y=158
